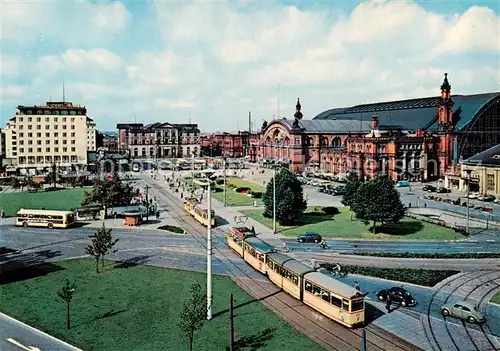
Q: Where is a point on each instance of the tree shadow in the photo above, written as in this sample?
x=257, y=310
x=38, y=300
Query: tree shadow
x=5, y=251
x=104, y=316
x=401, y=228
x=311, y=218
x=255, y=341
x=245, y=304
x=151, y=221
x=27, y=266
x=134, y=261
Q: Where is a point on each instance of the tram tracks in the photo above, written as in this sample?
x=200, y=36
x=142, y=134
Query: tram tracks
x=324, y=331
x=470, y=340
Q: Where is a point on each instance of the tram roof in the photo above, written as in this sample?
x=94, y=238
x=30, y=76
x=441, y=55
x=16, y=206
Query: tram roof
x=279, y=258
x=260, y=245
x=332, y=285
x=297, y=267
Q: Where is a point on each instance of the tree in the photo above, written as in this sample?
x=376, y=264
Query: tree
x=351, y=187
x=97, y=247
x=109, y=192
x=377, y=200
x=290, y=203
x=52, y=175
x=108, y=242
x=66, y=294
x=194, y=313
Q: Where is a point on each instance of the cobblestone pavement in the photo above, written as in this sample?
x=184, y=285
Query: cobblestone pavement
x=452, y=334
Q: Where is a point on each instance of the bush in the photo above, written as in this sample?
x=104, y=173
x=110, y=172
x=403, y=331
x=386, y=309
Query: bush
x=172, y=228
x=219, y=181
x=330, y=210
x=413, y=276
x=257, y=194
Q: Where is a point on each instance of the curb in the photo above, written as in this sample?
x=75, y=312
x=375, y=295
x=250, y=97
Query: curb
x=39, y=332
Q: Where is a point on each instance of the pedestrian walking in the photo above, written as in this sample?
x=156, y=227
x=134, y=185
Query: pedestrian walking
x=157, y=214
x=356, y=285
x=2, y=214
x=253, y=229
x=284, y=247
x=388, y=303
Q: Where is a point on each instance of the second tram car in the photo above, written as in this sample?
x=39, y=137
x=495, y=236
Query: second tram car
x=200, y=213
x=334, y=299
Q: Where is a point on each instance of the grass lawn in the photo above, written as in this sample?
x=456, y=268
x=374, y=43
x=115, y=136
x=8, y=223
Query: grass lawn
x=496, y=298
x=138, y=308
x=232, y=197
x=63, y=199
x=341, y=226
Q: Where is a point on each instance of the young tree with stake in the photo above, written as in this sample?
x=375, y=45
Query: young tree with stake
x=194, y=313
x=97, y=247
x=66, y=294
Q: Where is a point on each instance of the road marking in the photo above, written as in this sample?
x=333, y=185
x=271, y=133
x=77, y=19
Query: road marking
x=490, y=241
x=18, y=344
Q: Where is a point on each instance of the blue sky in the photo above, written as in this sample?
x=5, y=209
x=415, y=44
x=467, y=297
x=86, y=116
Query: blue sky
x=213, y=62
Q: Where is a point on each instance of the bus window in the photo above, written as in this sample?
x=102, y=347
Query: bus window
x=336, y=301
x=357, y=305
x=345, y=305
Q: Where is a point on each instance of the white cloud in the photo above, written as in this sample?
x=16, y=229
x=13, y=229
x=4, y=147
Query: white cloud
x=219, y=60
x=69, y=21
x=10, y=65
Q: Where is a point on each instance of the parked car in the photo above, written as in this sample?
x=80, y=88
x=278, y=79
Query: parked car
x=464, y=310
x=443, y=190
x=402, y=183
x=398, y=295
x=309, y=237
x=497, y=200
x=486, y=198
x=429, y=188
x=473, y=195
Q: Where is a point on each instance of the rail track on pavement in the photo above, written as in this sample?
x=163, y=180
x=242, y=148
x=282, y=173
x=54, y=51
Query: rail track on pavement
x=461, y=336
x=327, y=333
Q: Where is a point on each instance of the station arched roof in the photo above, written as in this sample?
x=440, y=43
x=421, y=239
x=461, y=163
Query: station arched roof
x=414, y=113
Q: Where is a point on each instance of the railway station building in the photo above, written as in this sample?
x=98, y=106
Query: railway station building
x=418, y=139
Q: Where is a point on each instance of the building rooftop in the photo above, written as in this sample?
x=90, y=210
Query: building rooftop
x=489, y=157
x=315, y=126
x=414, y=113
x=53, y=105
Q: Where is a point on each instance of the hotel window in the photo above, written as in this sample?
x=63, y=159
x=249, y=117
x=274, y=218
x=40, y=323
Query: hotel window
x=47, y=135
x=65, y=149
x=30, y=142
x=55, y=119
x=38, y=126
x=30, y=149
x=47, y=142
x=30, y=119
x=73, y=149
x=21, y=135
x=19, y=119
x=39, y=142
x=72, y=142
x=38, y=119
x=47, y=112
x=64, y=126
x=30, y=135
x=38, y=149
x=21, y=126
x=21, y=142
x=73, y=134
x=72, y=126
x=38, y=135
x=64, y=135
x=65, y=141
x=64, y=119
x=56, y=127
x=47, y=149
x=56, y=149
x=30, y=126
x=47, y=119
x=490, y=182
x=47, y=126
x=56, y=135
x=21, y=150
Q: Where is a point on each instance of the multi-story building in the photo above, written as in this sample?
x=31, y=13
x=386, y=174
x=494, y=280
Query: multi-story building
x=232, y=145
x=159, y=140
x=482, y=172
x=416, y=139
x=57, y=132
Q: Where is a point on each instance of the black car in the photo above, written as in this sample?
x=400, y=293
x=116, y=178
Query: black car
x=398, y=295
x=443, y=190
x=429, y=188
x=309, y=237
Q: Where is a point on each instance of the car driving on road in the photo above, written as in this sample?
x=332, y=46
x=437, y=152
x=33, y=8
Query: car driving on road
x=398, y=295
x=463, y=310
x=309, y=237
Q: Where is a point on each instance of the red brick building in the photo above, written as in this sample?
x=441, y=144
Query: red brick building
x=233, y=145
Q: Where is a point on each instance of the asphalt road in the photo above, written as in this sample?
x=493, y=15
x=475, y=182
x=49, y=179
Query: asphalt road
x=17, y=336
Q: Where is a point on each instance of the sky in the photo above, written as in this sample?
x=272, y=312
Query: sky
x=212, y=62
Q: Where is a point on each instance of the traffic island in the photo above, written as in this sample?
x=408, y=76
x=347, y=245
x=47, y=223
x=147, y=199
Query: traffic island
x=343, y=224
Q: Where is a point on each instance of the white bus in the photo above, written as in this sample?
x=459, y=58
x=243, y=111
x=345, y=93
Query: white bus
x=45, y=218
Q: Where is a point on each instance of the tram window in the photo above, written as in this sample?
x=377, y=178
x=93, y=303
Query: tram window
x=325, y=295
x=345, y=305
x=308, y=287
x=336, y=301
x=295, y=279
x=270, y=264
x=277, y=268
x=288, y=275
x=316, y=290
x=357, y=305
x=261, y=257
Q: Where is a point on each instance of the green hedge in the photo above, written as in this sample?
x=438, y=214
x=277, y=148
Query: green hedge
x=477, y=255
x=414, y=276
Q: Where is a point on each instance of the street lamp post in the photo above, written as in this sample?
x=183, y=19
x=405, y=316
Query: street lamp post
x=209, y=247
x=468, y=171
x=274, y=200
x=224, y=170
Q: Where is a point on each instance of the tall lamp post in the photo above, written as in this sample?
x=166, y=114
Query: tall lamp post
x=274, y=200
x=224, y=170
x=209, y=246
x=468, y=171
